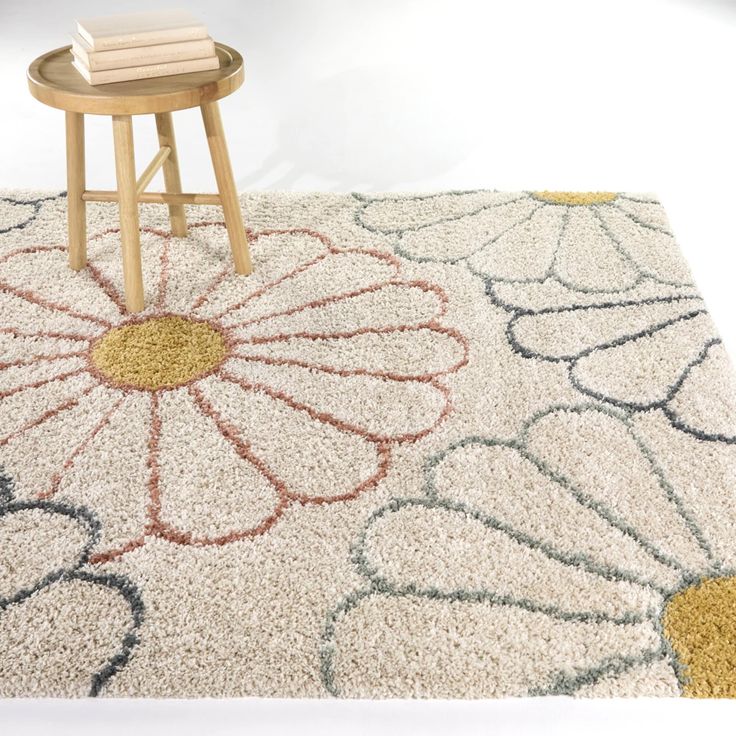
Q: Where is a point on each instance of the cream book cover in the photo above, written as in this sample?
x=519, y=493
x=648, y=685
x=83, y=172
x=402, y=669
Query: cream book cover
x=161, y=53
x=140, y=29
x=149, y=71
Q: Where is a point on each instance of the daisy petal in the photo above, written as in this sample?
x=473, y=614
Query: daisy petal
x=28, y=315
x=656, y=679
x=526, y=251
x=705, y=402
x=651, y=248
x=110, y=473
x=18, y=347
x=331, y=277
x=504, y=483
x=459, y=238
x=551, y=294
x=453, y=649
x=410, y=353
x=397, y=410
x=211, y=493
x=55, y=642
x=32, y=460
x=566, y=332
x=21, y=378
x=14, y=214
x=704, y=474
x=277, y=256
x=42, y=274
x=340, y=464
x=576, y=266
x=26, y=408
x=648, y=213
x=397, y=214
x=428, y=545
x=597, y=452
x=380, y=307
x=641, y=372
x=38, y=543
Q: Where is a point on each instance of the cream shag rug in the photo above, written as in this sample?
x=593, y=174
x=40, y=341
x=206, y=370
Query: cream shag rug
x=471, y=444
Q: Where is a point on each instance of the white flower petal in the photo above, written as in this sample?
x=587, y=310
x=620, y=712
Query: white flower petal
x=396, y=213
x=398, y=646
x=313, y=458
x=430, y=546
x=502, y=483
x=275, y=257
x=600, y=456
x=35, y=455
x=705, y=402
x=459, y=238
x=655, y=679
x=564, y=333
x=56, y=641
x=335, y=275
x=111, y=473
x=643, y=371
x=37, y=543
x=402, y=353
x=28, y=316
x=211, y=492
x=43, y=274
x=653, y=250
x=588, y=259
x=526, y=251
x=385, y=306
x=551, y=294
x=378, y=408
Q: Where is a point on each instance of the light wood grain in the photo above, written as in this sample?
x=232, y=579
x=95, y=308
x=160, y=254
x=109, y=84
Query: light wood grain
x=75, y=186
x=111, y=195
x=150, y=171
x=122, y=128
x=226, y=187
x=172, y=179
x=54, y=81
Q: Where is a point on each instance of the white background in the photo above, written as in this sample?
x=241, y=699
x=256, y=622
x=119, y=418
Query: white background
x=634, y=95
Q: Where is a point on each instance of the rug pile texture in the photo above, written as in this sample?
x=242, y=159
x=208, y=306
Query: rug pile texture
x=467, y=444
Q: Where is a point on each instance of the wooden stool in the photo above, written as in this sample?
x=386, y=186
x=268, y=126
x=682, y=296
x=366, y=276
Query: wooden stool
x=54, y=81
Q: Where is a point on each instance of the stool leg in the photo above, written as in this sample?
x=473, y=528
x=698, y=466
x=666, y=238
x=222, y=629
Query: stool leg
x=172, y=180
x=122, y=129
x=226, y=187
x=75, y=186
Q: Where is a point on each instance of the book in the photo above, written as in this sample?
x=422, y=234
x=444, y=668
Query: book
x=148, y=71
x=140, y=29
x=161, y=53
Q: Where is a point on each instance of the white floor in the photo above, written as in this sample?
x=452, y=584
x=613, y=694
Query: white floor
x=631, y=95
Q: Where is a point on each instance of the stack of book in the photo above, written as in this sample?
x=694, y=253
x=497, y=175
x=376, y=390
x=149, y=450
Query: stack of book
x=119, y=48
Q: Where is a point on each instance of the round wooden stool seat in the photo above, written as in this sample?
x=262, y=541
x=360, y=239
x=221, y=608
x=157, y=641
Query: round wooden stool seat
x=54, y=81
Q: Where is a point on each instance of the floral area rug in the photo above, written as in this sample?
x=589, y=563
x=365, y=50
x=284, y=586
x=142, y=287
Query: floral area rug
x=468, y=444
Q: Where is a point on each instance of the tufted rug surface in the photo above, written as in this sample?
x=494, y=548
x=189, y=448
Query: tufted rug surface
x=457, y=445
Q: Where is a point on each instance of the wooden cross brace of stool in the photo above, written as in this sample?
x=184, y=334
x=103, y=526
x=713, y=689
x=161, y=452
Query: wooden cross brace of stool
x=54, y=81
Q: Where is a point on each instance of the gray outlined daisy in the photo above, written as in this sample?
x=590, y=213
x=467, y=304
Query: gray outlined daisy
x=594, y=242
x=561, y=562
x=64, y=628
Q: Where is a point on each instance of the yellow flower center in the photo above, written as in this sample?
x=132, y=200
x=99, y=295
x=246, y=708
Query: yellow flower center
x=160, y=352
x=700, y=623
x=574, y=198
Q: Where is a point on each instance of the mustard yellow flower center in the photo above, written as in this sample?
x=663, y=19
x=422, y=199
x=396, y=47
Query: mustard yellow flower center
x=700, y=623
x=574, y=198
x=160, y=352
